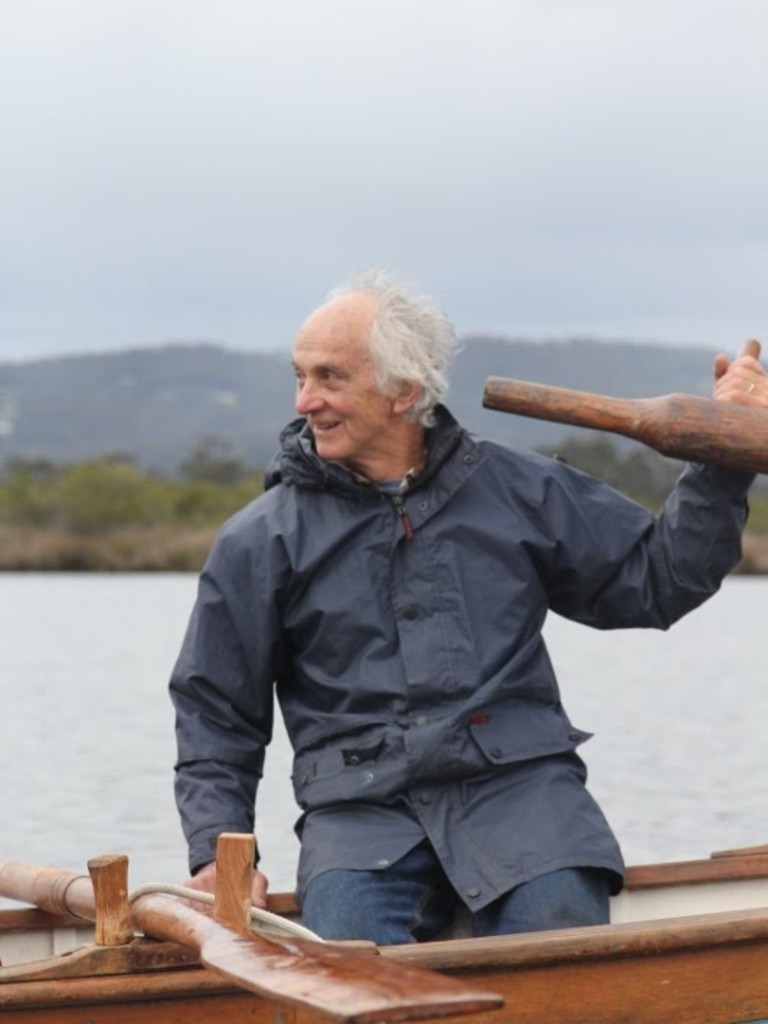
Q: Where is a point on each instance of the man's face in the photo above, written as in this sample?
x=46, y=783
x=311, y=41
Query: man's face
x=350, y=419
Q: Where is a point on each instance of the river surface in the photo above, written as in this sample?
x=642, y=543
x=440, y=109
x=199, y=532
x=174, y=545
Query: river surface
x=679, y=760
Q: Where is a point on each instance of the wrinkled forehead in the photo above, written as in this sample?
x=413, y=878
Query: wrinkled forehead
x=340, y=325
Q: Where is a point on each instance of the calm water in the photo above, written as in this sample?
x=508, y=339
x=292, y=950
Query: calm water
x=679, y=760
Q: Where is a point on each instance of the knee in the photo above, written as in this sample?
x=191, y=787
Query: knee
x=341, y=905
x=570, y=898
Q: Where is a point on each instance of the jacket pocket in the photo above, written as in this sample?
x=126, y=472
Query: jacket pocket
x=317, y=774
x=347, y=773
x=521, y=730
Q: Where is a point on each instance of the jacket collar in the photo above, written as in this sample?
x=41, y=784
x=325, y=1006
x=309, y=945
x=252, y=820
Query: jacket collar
x=297, y=462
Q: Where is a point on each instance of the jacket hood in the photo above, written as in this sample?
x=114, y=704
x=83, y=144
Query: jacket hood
x=297, y=463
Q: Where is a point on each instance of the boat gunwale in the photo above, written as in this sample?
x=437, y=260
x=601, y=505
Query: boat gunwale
x=611, y=941
x=165, y=967
x=727, y=866
x=599, y=942
x=719, y=867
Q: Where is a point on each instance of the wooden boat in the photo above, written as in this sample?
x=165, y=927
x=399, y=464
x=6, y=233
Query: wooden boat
x=688, y=944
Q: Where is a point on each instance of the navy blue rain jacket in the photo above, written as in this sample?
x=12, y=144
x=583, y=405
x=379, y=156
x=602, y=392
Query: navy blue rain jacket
x=403, y=638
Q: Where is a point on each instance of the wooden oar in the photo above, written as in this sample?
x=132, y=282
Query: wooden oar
x=338, y=982
x=680, y=426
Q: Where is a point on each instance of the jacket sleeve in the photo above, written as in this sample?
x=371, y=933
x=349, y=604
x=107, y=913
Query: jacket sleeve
x=616, y=566
x=222, y=691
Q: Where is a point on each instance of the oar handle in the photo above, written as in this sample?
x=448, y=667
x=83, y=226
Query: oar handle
x=687, y=427
x=53, y=889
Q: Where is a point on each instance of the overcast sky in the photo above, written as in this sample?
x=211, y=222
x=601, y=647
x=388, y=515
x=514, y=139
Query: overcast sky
x=208, y=169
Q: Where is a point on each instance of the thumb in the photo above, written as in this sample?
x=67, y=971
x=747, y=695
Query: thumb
x=722, y=362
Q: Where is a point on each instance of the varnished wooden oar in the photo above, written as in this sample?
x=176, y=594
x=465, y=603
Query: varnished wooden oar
x=338, y=982
x=341, y=983
x=680, y=426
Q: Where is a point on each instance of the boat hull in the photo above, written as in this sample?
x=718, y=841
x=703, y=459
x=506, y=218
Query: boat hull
x=704, y=972
x=696, y=968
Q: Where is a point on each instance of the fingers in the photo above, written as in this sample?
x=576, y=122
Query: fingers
x=259, y=890
x=205, y=881
x=741, y=380
x=751, y=347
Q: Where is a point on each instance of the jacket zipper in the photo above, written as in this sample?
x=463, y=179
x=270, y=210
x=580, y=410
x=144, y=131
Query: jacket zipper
x=399, y=505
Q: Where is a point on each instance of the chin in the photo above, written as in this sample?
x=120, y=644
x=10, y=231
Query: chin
x=330, y=451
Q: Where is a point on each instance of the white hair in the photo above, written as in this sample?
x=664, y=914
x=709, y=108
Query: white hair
x=411, y=339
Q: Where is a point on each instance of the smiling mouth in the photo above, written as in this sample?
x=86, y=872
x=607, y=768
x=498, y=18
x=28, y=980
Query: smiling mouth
x=324, y=428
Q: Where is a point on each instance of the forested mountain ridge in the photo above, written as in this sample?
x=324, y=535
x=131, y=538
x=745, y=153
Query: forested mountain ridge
x=156, y=404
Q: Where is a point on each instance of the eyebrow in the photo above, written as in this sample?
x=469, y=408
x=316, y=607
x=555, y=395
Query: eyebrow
x=322, y=368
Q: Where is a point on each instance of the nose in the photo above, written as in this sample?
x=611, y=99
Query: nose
x=307, y=399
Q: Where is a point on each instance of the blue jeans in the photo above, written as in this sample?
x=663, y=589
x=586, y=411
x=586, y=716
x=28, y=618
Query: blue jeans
x=413, y=901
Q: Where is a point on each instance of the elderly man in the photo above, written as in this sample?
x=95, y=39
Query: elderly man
x=390, y=587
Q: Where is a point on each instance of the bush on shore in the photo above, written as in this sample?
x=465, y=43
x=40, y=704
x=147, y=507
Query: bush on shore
x=108, y=515
x=127, y=549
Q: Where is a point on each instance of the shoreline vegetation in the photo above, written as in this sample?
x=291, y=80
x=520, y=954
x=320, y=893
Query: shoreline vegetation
x=127, y=549
x=170, y=549
x=110, y=516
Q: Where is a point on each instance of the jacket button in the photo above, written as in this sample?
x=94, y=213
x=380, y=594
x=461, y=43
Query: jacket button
x=473, y=893
x=353, y=759
x=410, y=612
x=425, y=798
x=496, y=753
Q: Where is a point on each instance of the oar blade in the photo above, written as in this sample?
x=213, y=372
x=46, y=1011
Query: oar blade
x=338, y=982
x=341, y=983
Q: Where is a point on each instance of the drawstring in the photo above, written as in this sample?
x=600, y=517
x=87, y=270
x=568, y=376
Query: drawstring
x=401, y=510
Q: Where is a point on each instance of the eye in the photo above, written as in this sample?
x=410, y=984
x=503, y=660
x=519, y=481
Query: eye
x=332, y=377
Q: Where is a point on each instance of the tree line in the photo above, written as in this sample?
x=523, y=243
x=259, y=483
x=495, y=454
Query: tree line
x=111, y=493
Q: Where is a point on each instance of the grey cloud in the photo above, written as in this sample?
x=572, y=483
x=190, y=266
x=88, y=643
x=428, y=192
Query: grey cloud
x=180, y=168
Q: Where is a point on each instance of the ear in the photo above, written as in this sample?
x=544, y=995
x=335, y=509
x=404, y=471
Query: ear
x=407, y=395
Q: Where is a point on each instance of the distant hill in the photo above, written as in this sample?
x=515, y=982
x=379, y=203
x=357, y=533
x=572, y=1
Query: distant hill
x=156, y=404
